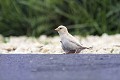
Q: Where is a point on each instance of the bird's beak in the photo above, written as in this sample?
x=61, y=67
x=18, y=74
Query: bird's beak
x=56, y=29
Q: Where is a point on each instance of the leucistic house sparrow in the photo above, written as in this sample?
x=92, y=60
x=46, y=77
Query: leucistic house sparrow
x=69, y=43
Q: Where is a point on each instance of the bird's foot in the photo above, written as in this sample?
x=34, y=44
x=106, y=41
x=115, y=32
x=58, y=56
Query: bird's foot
x=77, y=51
x=64, y=53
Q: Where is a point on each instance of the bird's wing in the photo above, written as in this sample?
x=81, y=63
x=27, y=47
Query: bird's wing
x=74, y=40
x=70, y=43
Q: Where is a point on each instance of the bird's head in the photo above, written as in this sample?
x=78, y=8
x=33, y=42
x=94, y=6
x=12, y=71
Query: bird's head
x=61, y=29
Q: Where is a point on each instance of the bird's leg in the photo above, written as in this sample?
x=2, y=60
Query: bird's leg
x=78, y=50
x=64, y=53
x=75, y=51
x=70, y=52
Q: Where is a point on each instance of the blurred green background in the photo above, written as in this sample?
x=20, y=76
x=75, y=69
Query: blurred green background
x=37, y=17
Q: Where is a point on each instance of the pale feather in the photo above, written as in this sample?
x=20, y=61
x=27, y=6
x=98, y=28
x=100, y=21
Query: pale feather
x=69, y=42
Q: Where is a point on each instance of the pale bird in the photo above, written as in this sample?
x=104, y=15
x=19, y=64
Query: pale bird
x=69, y=43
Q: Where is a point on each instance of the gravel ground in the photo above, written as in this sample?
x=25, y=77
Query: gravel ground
x=105, y=44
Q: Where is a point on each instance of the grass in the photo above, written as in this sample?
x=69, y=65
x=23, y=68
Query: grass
x=37, y=17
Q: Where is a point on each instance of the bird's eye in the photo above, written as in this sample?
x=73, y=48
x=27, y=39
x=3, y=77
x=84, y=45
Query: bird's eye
x=60, y=28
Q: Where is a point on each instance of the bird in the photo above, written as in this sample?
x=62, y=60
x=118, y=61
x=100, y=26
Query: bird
x=69, y=43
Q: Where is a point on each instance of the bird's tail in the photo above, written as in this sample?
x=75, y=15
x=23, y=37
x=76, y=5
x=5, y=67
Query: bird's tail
x=87, y=47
